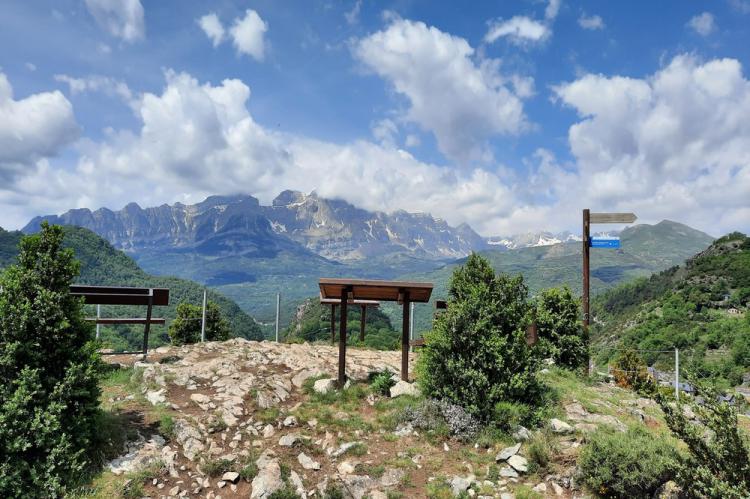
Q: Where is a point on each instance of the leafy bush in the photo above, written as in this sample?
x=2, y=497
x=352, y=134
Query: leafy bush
x=630, y=371
x=49, y=394
x=476, y=355
x=381, y=381
x=561, y=335
x=631, y=464
x=186, y=328
x=718, y=459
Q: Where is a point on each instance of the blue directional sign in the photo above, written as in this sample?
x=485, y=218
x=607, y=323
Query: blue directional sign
x=604, y=242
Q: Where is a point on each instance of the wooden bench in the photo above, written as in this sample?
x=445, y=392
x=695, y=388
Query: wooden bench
x=113, y=295
x=419, y=342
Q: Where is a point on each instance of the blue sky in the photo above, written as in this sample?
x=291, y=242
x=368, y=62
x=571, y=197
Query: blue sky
x=511, y=116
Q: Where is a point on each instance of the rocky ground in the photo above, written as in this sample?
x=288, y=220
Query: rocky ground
x=262, y=420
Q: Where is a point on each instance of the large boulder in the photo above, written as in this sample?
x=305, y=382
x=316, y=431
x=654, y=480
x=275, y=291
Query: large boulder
x=324, y=385
x=267, y=481
x=404, y=388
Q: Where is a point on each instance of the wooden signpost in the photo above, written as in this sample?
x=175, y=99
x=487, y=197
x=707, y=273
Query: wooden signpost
x=589, y=242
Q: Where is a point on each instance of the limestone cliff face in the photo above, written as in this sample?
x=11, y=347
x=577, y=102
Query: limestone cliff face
x=338, y=230
x=296, y=222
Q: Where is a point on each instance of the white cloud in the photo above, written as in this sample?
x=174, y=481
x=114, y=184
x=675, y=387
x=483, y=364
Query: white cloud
x=591, y=22
x=463, y=102
x=704, y=24
x=518, y=29
x=30, y=66
x=553, y=8
x=248, y=35
x=121, y=18
x=97, y=83
x=673, y=145
x=352, y=16
x=32, y=128
x=212, y=27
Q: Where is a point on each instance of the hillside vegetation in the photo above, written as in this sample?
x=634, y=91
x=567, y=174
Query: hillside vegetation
x=699, y=307
x=312, y=322
x=645, y=249
x=103, y=265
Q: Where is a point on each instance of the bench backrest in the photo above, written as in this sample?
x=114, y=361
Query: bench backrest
x=113, y=295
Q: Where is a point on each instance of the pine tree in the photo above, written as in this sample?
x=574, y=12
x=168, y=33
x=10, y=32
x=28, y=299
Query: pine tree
x=49, y=394
x=476, y=355
x=186, y=328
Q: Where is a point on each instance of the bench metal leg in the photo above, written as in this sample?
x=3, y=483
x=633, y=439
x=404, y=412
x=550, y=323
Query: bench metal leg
x=147, y=327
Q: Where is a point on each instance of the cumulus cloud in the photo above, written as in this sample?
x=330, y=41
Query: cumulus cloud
x=591, y=22
x=704, y=24
x=352, y=16
x=672, y=145
x=248, y=35
x=121, y=18
x=212, y=27
x=518, y=29
x=32, y=128
x=97, y=83
x=461, y=99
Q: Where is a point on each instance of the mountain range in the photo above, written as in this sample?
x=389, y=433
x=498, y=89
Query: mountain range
x=249, y=252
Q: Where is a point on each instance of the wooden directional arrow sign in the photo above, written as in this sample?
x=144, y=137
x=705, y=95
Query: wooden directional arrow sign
x=612, y=218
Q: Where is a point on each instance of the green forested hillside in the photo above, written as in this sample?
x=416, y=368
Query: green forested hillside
x=700, y=307
x=312, y=322
x=645, y=249
x=101, y=264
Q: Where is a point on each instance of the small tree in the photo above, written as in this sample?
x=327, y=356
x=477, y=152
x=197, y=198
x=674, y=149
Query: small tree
x=476, y=355
x=186, y=327
x=718, y=459
x=561, y=335
x=49, y=394
x=630, y=371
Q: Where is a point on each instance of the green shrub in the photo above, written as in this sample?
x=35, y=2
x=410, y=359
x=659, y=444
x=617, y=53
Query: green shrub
x=630, y=371
x=333, y=491
x=623, y=465
x=49, y=371
x=286, y=492
x=216, y=467
x=561, y=336
x=186, y=327
x=476, y=355
x=381, y=381
x=166, y=426
x=718, y=459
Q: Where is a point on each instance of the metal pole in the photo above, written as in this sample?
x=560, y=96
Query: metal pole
x=676, y=374
x=278, y=304
x=203, y=320
x=98, y=316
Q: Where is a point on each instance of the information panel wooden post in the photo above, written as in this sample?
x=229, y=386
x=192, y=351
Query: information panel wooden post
x=333, y=324
x=362, y=320
x=586, y=267
x=405, y=337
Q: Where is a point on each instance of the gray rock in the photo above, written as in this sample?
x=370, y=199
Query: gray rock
x=392, y=477
x=299, y=487
x=307, y=462
x=343, y=448
x=230, y=476
x=460, y=484
x=508, y=452
x=404, y=388
x=189, y=438
x=358, y=485
x=156, y=397
x=508, y=472
x=290, y=421
x=324, y=385
x=559, y=426
x=521, y=434
x=267, y=481
x=268, y=431
x=289, y=440
x=519, y=463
